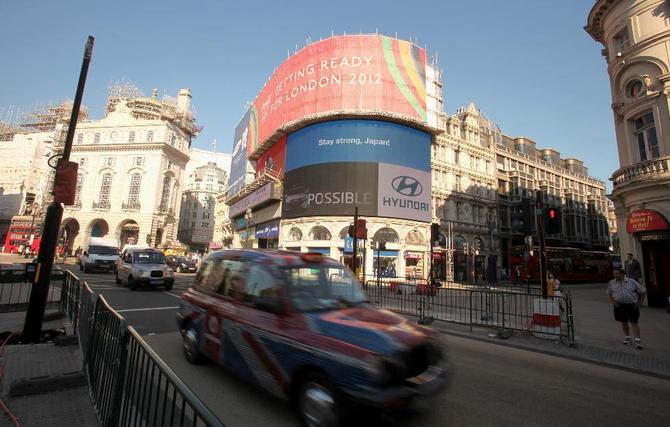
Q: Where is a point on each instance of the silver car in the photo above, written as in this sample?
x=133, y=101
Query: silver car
x=144, y=267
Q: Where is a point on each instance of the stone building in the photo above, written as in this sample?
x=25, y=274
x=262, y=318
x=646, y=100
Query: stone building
x=131, y=169
x=635, y=35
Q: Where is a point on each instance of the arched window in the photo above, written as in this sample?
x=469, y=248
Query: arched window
x=385, y=235
x=134, y=190
x=165, y=195
x=295, y=234
x=459, y=243
x=344, y=232
x=319, y=233
x=105, y=189
x=414, y=237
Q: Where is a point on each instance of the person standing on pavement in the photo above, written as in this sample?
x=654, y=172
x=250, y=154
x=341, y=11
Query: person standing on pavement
x=632, y=268
x=625, y=294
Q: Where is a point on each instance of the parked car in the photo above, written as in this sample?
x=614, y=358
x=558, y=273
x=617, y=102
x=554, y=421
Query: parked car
x=181, y=264
x=144, y=267
x=99, y=255
x=300, y=326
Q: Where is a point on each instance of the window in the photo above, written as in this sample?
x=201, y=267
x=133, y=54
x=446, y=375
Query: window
x=165, y=195
x=150, y=136
x=105, y=188
x=77, y=191
x=131, y=136
x=109, y=161
x=134, y=191
x=295, y=234
x=645, y=135
x=82, y=161
x=205, y=215
x=96, y=138
x=259, y=283
x=621, y=40
x=173, y=140
x=80, y=138
x=319, y=233
x=204, y=224
x=634, y=88
x=195, y=215
x=193, y=224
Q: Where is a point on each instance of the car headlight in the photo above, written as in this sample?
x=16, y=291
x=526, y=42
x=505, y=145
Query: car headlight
x=170, y=272
x=140, y=273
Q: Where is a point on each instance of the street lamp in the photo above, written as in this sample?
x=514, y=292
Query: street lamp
x=492, y=268
x=248, y=217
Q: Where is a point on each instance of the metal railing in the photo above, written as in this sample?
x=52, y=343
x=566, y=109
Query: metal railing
x=521, y=309
x=129, y=383
x=15, y=291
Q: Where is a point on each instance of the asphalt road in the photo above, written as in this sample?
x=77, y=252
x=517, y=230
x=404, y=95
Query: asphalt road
x=487, y=384
x=149, y=310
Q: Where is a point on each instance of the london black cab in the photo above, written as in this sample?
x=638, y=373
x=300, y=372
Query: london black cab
x=300, y=326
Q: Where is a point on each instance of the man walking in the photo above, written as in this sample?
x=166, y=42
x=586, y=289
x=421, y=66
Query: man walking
x=625, y=294
x=632, y=268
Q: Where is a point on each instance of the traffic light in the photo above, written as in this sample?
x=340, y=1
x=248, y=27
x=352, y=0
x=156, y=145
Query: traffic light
x=553, y=221
x=434, y=233
x=522, y=217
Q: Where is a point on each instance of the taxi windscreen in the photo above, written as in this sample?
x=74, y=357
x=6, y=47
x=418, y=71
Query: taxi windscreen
x=320, y=288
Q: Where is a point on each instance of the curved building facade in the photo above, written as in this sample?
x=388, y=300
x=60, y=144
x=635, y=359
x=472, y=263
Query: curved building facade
x=635, y=35
x=346, y=123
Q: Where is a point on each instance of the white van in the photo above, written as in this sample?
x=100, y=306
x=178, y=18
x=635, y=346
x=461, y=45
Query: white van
x=99, y=255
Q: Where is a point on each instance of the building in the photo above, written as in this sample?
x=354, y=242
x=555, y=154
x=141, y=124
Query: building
x=522, y=171
x=131, y=169
x=635, y=36
x=198, y=206
x=222, y=236
x=26, y=144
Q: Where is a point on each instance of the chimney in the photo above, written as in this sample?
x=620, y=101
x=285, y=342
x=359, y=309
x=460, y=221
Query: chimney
x=184, y=100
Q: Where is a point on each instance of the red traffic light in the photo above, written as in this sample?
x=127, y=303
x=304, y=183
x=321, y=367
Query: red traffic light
x=552, y=213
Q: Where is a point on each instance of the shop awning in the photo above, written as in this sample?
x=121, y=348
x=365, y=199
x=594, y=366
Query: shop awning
x=646, y=220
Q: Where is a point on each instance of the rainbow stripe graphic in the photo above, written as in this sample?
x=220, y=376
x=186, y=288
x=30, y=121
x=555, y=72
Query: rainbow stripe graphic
x=405, y=63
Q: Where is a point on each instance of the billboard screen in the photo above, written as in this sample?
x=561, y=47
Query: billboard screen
x=357, y=72
x=383, y=168
x=274, y=158
x=239, y=165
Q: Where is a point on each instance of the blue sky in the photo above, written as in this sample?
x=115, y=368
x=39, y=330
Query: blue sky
x=528, y=64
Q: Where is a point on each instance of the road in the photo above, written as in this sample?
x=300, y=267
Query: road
x=487, y=384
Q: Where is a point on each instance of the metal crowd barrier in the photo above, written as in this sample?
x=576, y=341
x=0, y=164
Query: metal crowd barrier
x=129, y=383
x=15, y=291
x=520, y=309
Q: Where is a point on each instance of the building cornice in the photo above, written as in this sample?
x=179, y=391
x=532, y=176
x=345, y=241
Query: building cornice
x=594, y=24
x=98, y=148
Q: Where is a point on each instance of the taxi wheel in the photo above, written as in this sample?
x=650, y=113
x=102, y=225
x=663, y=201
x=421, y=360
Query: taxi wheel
x=318, y=402
x=190, y=345
x=132, y=284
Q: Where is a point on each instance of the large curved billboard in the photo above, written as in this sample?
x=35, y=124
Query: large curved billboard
x=380, y=167
x=355, y=73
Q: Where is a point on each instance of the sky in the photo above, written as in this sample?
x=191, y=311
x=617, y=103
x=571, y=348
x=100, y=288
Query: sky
x=527, y=64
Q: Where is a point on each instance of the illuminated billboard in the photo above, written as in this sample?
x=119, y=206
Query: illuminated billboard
x=382, y=168
x=357, y=73
x=239, y=166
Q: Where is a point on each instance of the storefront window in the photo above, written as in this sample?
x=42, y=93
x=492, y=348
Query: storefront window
x=415, y=237
x=319, y=233
x=386, y=235
x=295, y=234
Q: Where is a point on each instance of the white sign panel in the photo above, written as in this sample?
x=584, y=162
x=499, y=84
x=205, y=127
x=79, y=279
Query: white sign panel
x=404, y=193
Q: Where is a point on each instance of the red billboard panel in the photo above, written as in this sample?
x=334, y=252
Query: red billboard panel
x=347, y=73
x=274, y=158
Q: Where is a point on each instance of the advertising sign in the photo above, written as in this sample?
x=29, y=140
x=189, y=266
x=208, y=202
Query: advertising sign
x=333, y=167
x=274, y=158
x=330, y=189
x=356, y=72
x=262, y=195
x=645, y=220
x=239, y=166
x=269, y=230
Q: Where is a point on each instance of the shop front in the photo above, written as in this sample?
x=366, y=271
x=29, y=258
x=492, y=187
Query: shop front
x=414, y=265
x=267, y=235
x=652, y=231
x=385, y=263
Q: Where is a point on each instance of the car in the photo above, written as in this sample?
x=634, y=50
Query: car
x=300, y=326
x=144, y=267
x=181, y=264
x=99, y=255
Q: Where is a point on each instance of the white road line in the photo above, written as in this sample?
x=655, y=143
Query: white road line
x=146, y=309
x=174, y=295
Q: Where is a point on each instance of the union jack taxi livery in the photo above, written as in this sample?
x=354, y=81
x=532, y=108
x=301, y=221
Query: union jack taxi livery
x=299, y=326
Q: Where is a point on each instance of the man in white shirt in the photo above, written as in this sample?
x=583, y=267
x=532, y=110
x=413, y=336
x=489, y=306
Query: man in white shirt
x=625, y=294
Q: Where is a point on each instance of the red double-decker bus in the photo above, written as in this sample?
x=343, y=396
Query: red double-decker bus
x=20, y=231
x=572, y=265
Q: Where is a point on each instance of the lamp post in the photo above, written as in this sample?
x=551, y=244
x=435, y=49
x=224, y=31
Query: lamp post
x=493, y=259
x=248, y=217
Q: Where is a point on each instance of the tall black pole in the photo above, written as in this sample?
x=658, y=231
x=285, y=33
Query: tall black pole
x=543, y=245
x=354, y=252
x=45, y=258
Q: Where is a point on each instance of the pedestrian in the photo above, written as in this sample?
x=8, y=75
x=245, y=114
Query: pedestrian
x=554, y=282
x=625, y=294
x=632, y=268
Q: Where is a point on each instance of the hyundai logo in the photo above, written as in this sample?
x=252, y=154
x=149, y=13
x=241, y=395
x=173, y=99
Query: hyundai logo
x=407, y=186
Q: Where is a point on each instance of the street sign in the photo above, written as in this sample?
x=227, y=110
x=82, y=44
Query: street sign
x=348, y=245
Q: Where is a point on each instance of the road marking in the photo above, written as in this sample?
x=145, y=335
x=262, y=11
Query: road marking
x=174, y=295
x=146, y=309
